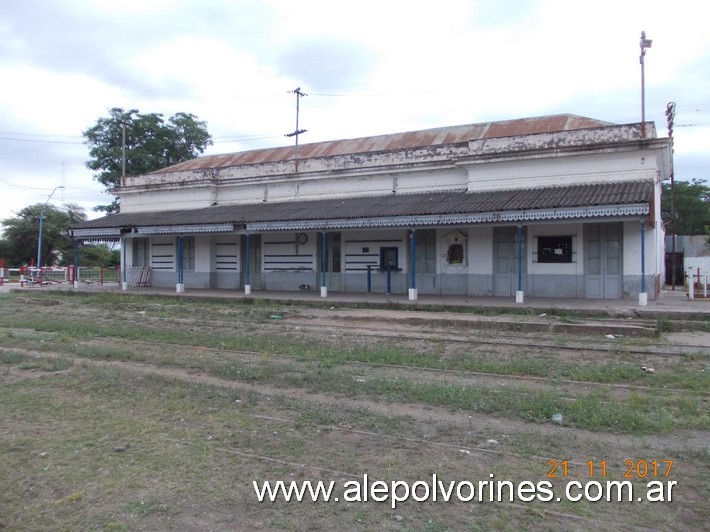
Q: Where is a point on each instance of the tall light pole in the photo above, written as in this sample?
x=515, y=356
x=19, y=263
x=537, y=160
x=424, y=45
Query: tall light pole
x=39, y=240
x=645, y=43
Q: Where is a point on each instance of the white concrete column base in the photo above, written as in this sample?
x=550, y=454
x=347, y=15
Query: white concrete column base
x=76, y=284
x=324, y=291
x=519, y=296
x=124, y=285
x=180, y=288
x=691, y=284
x=412, y=294
x=247, y=289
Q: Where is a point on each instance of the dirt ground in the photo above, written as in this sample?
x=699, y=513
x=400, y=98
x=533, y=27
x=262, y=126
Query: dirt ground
x=126, y=414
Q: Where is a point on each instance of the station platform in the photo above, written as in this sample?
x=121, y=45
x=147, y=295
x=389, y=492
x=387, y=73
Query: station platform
x=668, y=303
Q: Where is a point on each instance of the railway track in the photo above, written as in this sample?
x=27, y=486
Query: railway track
x=379, y=369
x=327, y=328
x=393, y=330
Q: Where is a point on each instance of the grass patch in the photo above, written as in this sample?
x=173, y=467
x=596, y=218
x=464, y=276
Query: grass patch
x=114, y=448
x=10, y=357
x=643, y=414
x=47, y=364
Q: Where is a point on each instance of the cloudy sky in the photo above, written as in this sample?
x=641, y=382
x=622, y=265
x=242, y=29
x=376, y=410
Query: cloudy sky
x=368, y=67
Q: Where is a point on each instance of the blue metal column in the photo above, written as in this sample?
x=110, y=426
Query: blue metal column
x=412, y=265
x=519, y=295
x=324, y=264
x=643, y=296
x=180, y=287
x=247, y=267
x=643, y=257
x=124, y=244
x=76, y=263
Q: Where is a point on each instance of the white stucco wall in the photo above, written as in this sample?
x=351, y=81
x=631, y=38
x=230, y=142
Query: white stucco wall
x=360, y=247
x=480, y=256
x=203, y=254
x=632, y=249
x=168, y=199
x=560, y=171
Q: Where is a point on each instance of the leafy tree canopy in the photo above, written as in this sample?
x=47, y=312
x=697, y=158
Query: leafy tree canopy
x=99, y=255
x=151, y=144
x=21, y=234
x=692, y=208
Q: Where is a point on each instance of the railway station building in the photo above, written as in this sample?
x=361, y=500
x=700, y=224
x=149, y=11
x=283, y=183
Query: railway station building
x=556, y=206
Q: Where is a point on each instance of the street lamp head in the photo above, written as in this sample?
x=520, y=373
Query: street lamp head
x=52, y=194
x=644, y=43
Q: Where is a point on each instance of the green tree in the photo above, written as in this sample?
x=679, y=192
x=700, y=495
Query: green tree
x=21, y=234
x=99, y=255
x=5, y=251
x=692, y=208
x=150, y=144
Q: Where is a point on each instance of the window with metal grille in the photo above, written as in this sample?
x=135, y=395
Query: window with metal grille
x=553, y=249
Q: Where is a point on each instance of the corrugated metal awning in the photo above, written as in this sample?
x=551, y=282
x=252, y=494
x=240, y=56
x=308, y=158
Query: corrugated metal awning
x=457, y=219
x=602, y=200
x=184, y=229
x=107, y=233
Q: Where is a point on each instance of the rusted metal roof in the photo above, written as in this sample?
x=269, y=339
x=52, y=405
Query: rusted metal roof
x=395, y=141
x=392, y=206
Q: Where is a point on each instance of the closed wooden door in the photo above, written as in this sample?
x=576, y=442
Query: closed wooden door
x=604, y=261
x=505, y=261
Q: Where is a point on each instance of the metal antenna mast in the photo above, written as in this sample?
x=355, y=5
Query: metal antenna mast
x=298, y=93
x=645, y=43
x=670, y=117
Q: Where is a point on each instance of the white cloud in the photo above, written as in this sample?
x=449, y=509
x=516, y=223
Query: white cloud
x=385, y=66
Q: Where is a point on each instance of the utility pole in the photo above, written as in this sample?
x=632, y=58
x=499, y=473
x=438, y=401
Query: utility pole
x=39, y=238
x=670, y=116
x=298, y=93
x=645, y=43
x=123, y=153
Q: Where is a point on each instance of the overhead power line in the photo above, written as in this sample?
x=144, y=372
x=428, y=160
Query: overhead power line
x=220, y=140
x=217, y=139
x=23, y=134
x=41, y=140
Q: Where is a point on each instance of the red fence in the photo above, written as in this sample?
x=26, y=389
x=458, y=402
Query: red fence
x=31, y=276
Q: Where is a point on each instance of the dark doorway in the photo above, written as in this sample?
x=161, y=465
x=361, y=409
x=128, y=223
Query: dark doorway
x=679, y=274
